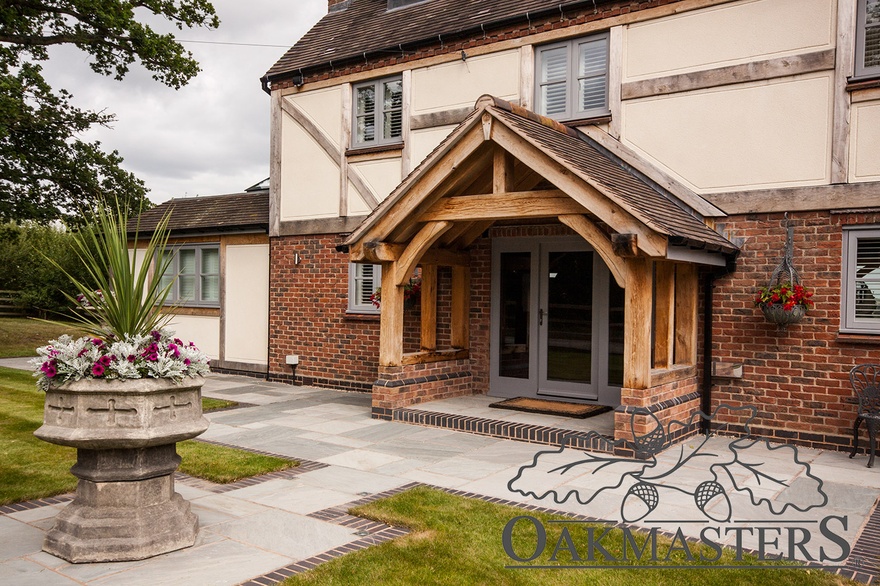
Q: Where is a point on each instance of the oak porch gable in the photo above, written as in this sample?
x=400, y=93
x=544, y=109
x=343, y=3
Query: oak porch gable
x=506, y=165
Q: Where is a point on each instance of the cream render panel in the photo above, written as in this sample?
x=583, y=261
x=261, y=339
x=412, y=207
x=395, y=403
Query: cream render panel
x=864, y=158
x=324, y=108
x=727, y=35
x=246, y=305
x=202, y=331
x=458, y=84
x=422, y=142
x=309, y=178
x=759, y=135
x=381, y=175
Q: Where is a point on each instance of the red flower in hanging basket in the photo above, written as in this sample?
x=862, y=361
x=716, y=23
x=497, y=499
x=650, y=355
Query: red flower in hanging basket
x=786, y=295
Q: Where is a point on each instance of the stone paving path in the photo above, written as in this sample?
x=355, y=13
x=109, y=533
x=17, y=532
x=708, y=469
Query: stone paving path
x=288, y=521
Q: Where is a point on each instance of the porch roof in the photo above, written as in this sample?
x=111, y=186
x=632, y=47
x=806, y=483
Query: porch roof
x=608, y=189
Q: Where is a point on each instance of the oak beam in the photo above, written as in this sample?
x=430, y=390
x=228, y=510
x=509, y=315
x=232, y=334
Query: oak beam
x=600, y=243
x=686, y=291
x=502, y=206
x=421, y=242
x=375, y=252
x=429, y=307
x=461, y=296
x=664, y=315
x=502, y=171
x=581, y=190
x=435, y=356
x=391, y=318
x=637, y=324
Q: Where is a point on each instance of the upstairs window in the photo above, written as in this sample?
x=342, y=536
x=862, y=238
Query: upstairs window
x=860, y=298
x=573, y=78
x=195, y=273
x=363, y=281
x=868, y=39
x=378, y=112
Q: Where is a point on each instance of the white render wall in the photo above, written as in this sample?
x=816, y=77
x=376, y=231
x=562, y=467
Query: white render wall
x=203, y=331
x=246, y=305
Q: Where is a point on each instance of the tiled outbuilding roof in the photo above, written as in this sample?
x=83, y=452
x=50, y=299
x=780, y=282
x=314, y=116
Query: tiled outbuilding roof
x=235, y=212
x=367, y=27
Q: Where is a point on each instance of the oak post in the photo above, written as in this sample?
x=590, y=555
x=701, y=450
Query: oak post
x=637, y=324
x=391, y=321
x=664, y=315
x=429, y=307
x=686, y=290
x=461, y=296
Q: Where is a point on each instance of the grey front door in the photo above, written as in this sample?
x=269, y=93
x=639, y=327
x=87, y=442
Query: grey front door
x=557, y=322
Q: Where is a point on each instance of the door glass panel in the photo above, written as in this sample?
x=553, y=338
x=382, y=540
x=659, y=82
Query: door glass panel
x=615, y=334
x=569, y=316
x=516, y=275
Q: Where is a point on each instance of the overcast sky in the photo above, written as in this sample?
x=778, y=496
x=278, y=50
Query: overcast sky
x=212, y=136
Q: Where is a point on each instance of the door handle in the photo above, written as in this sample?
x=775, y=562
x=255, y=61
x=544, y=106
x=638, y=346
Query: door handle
x=540, y=317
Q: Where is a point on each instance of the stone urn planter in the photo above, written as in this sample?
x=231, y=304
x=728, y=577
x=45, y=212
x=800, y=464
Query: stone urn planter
x=125, y=433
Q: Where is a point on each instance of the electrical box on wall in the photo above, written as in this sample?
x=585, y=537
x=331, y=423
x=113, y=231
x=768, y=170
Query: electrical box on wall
x=292, y=359
x=727, y=369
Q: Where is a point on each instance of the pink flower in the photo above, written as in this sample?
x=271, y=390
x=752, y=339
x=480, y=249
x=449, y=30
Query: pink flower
x=49, y=368
x=186, y=361
x=104, y=361
x=82, y=352
x=131, y=358
x=97, y=369
x=156, y=335
x=172, y=348
x=98, y=342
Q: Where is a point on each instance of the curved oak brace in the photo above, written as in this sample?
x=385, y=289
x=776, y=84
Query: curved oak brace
x=600, y=243
x=421, y=242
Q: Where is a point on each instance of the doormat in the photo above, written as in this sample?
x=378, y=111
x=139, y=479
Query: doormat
x=545, y=407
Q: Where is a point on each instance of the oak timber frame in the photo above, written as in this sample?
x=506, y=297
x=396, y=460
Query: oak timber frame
x=484, y=173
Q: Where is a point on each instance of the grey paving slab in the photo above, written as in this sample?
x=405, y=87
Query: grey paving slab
x=465, y=468
x=382, y=433
x=220, y=563
x=304, y=499
x=18, y=538
x=32, y=515
x=336, y=440
x=288, y=534
x=429, y=452
x=349, y=480
x=22, y=572
x=361, y=459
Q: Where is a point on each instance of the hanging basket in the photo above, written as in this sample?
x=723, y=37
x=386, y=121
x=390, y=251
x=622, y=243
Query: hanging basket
x=780, y=316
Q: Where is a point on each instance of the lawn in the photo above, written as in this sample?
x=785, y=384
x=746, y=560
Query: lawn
x=457, y=541
x=20, y=336
x=31, y=468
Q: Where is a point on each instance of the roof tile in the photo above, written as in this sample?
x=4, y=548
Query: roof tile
x=215, y=213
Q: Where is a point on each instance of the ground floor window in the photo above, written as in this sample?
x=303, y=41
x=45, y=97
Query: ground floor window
x=194, y=273
x=363, y=282
x=860, y=298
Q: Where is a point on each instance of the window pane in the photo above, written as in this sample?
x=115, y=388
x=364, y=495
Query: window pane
x=393, y=109
x=554, y=64
x=366, y=100
x=187, y=262
x=592, y=93
x=868, y=279
x=592, y=58
x=366, y=128
x=553, y=98
x=210, y=261
x=365, y=283
x=211, y=288
x=186, y=285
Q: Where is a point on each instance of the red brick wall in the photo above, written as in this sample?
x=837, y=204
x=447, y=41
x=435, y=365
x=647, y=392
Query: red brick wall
x=797, y=378
x=307, y=316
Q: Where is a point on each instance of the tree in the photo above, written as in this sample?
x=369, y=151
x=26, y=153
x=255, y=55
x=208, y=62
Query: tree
x=46, y=171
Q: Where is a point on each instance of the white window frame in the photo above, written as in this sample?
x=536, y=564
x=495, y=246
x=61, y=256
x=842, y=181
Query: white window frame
x=199, y=275
x=861, y=71
x=355, y=278
x=572, y=102
x=379, y=138
x=849, y=323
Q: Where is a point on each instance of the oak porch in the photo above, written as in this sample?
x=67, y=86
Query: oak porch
x=504, y=165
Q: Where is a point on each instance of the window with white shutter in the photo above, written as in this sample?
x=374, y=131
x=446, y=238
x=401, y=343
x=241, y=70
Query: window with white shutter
x=363, y=281
x=868, y=39
x=860, y=298
x=378, y=112
x=572, y=78
x=194, y=275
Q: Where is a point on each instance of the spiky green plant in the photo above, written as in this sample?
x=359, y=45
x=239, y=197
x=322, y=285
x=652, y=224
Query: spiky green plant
x=118, y=298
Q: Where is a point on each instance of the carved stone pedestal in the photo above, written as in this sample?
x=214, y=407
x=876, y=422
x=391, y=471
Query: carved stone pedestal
x=125, y=433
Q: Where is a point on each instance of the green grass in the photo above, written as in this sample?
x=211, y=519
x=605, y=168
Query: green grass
x=209, y=404
x=457, y=541
x=21, y=336
x=31, y=468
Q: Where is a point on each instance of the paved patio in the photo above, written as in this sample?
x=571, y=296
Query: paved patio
x=254, y=528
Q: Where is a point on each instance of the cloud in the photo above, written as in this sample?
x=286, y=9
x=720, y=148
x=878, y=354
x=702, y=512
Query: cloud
x=211, y=136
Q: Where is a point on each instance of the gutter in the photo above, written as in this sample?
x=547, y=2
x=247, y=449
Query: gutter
x=708, y=294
